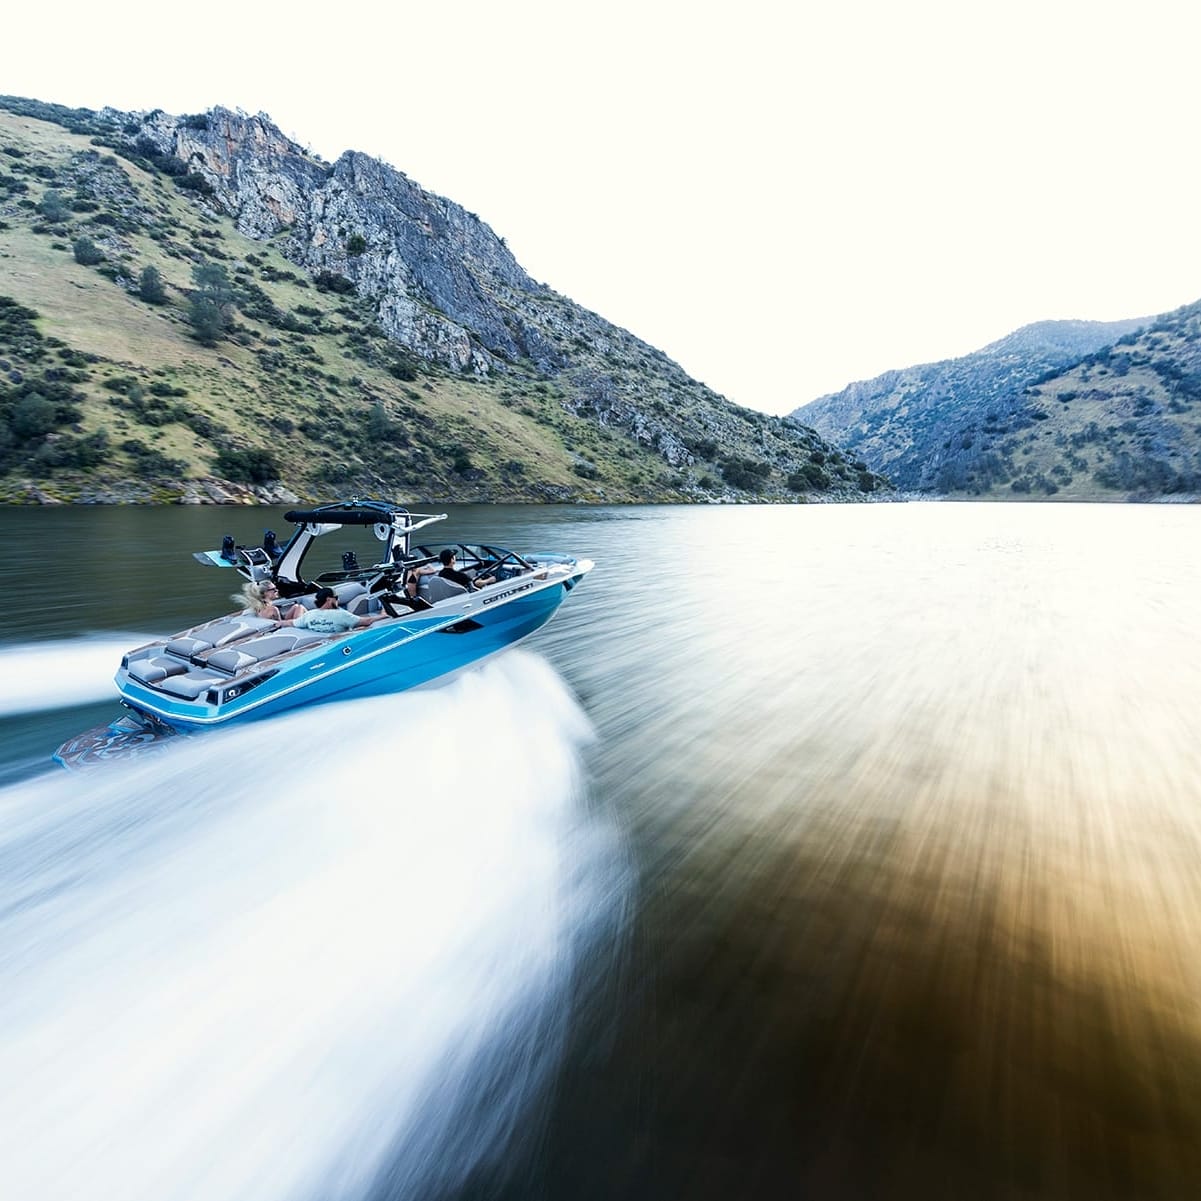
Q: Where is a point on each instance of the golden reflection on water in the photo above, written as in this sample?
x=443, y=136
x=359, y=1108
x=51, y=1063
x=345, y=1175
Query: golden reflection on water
x=922, y=832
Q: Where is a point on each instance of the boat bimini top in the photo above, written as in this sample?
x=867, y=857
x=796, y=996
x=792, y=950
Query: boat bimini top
x=391, y=524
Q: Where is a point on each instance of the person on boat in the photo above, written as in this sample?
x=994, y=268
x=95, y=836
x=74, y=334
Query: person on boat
x=327, y=618
x=261, y=597
x=408, y=597
x=449, y=571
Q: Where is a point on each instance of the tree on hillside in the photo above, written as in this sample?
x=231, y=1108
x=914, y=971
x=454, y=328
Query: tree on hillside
x=211, y=305
x=150, y=286
x=53, y=207
x=33, y=416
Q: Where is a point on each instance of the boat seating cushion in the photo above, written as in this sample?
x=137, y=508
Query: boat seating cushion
x=438, y=589
x=348, y=592
x=186, y=647
x=191, y=684
x=235, y=658
x=220, y=633
x=363, y=605
x=154, y=668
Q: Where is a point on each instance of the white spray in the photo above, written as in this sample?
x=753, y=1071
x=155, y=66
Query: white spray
x=70, y=671
x=263, y=964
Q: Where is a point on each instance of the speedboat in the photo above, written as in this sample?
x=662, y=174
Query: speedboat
x=242, y=667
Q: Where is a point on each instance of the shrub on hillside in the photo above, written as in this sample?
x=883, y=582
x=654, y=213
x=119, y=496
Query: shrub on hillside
x=809, y=478
x=120, y=383
x=207, y=319
x=168, y=164
x=52, y=206
x=331, y=281
x=150, y=286
x=748, y=474
x=202, y=425
x=1143, y=472
x=193, y=181
x=402, y=367
x=66, y=451
x=33, y=416
x=87, y=252
x=150, y=462
x=17, y=327
x=162, y=388
x=275, y=276
x=253, y=466
x=703, y=448
x=33, y=408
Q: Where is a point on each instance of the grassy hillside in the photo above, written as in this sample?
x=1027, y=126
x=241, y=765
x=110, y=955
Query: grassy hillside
x=109, y=391
x=1125, y=422
x=932, y=427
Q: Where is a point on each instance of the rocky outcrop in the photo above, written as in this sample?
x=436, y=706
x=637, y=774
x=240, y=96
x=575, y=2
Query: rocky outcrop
x=137, y=492
x=444, y=284
x=225, y=492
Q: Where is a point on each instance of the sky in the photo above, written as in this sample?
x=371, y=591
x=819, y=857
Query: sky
x=783, y=198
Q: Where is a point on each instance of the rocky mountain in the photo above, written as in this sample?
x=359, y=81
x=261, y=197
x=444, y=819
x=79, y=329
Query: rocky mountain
x=944, y=427
x=196, y=306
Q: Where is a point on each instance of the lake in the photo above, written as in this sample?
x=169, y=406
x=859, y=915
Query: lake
x=813, y=851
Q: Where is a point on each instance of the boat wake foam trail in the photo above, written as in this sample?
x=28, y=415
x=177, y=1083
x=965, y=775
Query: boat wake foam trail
x=61, y=674
x=275, y=961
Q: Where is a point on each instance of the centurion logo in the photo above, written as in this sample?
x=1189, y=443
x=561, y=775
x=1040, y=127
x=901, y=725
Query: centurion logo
x=490, y=600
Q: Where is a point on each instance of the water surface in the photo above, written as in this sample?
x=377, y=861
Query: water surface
x=876, y=876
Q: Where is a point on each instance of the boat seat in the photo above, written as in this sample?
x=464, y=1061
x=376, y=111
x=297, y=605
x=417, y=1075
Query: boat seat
x=186, y=647
x=254, y=650
x=155, y=668
x=439, y=589
x=191, y=684
x=349, y=591
x=220, y=633
x=363, y=605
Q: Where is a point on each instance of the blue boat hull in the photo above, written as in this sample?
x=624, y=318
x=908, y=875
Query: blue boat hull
x=387, y=657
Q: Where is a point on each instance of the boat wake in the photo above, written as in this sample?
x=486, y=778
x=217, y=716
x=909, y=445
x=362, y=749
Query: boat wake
x=61, y=674
x=292, y=959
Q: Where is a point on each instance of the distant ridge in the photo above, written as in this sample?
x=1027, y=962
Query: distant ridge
x=1074, y=409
